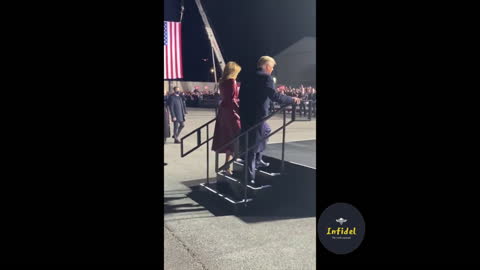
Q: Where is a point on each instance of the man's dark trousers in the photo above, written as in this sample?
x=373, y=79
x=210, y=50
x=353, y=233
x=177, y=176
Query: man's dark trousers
x=255, y=155
x=177, y=128
x=303, y=108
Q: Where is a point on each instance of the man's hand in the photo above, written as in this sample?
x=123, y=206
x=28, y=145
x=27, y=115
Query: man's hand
x=174, y=119
x=296, y=100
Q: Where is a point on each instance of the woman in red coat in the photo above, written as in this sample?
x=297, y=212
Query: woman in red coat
x=227, y=125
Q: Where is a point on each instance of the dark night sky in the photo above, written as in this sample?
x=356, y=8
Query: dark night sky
x=245, y=30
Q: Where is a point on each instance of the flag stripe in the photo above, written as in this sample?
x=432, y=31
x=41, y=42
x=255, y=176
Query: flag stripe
x=169, y=27
x=172, y=51
x=179, y=61
x=167, y=47
x=164, y=62
x=173, y=48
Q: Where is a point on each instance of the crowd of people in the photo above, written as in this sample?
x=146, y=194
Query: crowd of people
x=301, y=92
x=197, y=98
x=307, y=95
x=209, y=98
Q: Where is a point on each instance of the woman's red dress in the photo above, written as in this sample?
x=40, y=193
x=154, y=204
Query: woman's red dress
x=227, y=125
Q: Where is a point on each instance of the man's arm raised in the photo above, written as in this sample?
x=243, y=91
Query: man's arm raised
x=276, y=96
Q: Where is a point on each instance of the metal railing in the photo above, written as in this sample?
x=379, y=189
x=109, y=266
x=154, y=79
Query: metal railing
x=198, y=132
x=248, y=148
x=237, y=138
x=200, y=143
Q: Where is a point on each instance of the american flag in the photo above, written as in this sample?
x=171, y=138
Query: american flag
x=172, y=50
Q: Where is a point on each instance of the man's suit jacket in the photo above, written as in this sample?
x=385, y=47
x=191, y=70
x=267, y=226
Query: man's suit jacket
x=177, y=107
x=255, y=96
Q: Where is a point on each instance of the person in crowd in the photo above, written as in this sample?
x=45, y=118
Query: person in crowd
x=303, y=97
x=177, y=112
x=227, y=126
x=257, y=91
x=313, y=98
x=184, y=98
x=272, y=106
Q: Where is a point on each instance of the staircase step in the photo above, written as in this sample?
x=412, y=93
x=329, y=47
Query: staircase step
x=230, y=198
x=270, y=171
x=235, y=185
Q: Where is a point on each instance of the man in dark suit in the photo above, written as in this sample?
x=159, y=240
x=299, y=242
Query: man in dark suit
x=177, y=108
x=313, y=100
x=257, y=92
x=303, y=103
x=184, y=97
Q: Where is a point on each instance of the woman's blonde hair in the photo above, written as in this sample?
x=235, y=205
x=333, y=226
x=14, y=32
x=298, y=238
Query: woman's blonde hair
x=230, y=71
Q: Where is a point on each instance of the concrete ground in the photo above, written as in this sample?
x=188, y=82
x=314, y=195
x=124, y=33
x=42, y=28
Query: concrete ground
x=202, y=233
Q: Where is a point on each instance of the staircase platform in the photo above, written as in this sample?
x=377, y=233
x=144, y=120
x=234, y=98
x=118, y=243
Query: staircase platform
x=236, y=186
x=272, y=183
x=270, y=171
x=212, y=187
x=298, y=152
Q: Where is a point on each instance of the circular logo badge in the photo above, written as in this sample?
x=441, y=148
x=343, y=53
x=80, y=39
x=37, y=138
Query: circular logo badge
x=341, y=228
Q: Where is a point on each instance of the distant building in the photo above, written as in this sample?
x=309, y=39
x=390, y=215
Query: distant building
x=297, y=64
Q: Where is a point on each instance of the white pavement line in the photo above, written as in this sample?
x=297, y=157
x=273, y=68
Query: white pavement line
x=189, y=251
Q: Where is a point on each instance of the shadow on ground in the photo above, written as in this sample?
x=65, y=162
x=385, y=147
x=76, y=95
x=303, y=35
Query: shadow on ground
x=287, y=201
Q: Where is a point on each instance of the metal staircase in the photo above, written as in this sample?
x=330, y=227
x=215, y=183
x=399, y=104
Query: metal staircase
x=235, y=189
